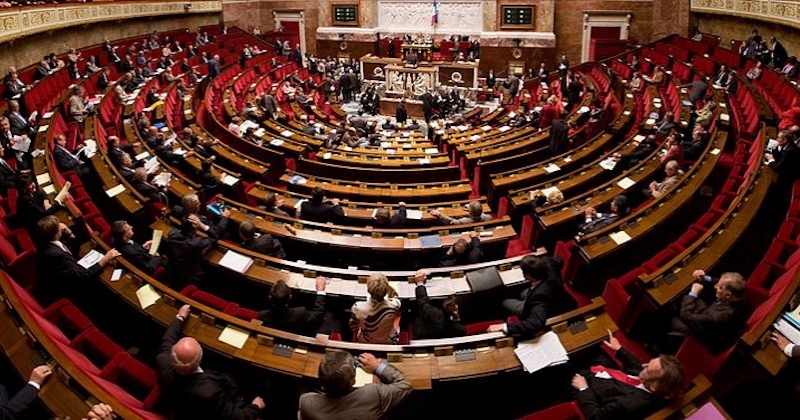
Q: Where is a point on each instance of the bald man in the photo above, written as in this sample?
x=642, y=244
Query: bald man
x=188, y=390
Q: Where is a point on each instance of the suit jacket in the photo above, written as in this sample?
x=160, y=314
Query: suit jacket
x=717, y=325
x=213, y=68
x=545, y=300
x=198, y=395
x=612, y=399
x=473, y=255
x=432, y=321
x=10, y=409
x=398, y=217
x=146, y=189
x=77, y=108
x=559, y=142
x=599, y=223
x=64, y=161
x=19, y=125
x=786, y=161
x=8, y=178
x=323, y=212
x=139, y=257
x=371, y=401
x=400, y=114
x=185, y=256
x=297, y=320
x=30, y=208
x=667, y=185
x=60, y=273
x=265, y=244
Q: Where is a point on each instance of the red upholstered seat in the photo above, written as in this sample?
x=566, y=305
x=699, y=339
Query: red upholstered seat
x=480, y=327
x=96, y=346
x=67, y=317
x=563, y=411
x=522, y=244
x=136, y=378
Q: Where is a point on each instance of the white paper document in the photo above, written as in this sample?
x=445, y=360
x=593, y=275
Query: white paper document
x=550, y=168
x=512, y=276
x=156, y=241
x=414, y=214
x=229, y=180
x=362, y=378
x=236, y=337
x=626, y=183
x=91, y=258
x=113, y=192
x=235, y=261
x=608, y=164
x=620, y=237
x=541, y=352
x=147, y=296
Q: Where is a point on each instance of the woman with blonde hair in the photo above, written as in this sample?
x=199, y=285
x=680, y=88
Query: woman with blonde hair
x=374, y=320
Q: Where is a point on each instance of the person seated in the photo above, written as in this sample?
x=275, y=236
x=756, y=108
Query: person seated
x=20, y=125
x=60, y=275
x=432, y=321
x=233, y=127
x=386, y=218
x=190, y=208
x=693, y=148
x=9, y=177
x=32, y=203
x=476, y=215
x=666, y=124
x=673, y=150
x=544, y=298
x=341, y=401
x=273, y=204
x=634, y=392
x=733, y=84
x=644, y=149
x=705, y=115
x=716, y=319
x=595, y=221
x=262, y=243
x=66, y=160
x=251, y=112
x=791, y=69
x=722, y=77
x=297, y=319
x=203, y=147
x=149, y=190
x=185, y=249
x=126, y=167
x=754, y=72
x=463, y=252
x=190, y=391
x=317, y=209
x=657, y=77
x=785, y=157
x=373, y=321
x=14, y=407
x=674, y=174
x=136, y=254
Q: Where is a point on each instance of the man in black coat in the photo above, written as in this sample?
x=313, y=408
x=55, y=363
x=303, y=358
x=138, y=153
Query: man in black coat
x=190, y=209
x=432, y=321
x=387, y=218
x=318, y=210
x=68, y=160
x=11, y=408
x=8, y=176
x=136, y=254
x=59, y=271
x=264, y=244
x=463, y=252
x=545, y=298
x=298, y=319
x=633, y=392
x=639, y=153
x=185, y=251
x=400, y=113
x=785, y=157
x=191, y=392
x=559, y=136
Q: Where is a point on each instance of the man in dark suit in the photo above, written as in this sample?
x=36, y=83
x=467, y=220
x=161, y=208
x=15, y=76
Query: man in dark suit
x=400, y=113
x=20, y=125
x=190, y=209
x=432, y=321
x=299, y=319
x=59, y=271
x=513, y=85
x=265, y=243
x=191, y=392
x=463, y=252
x=185, y=251
x=639, y=153
x=559, y=140
x=318, y=210
x=666, y=124
x=67, y=160
x=102, y=80
x=387, y=218
x=545, y=298
x=11, y=408
x=698, y=89
x=785, y=157
x=8, y=176
x=140, y=183
x=136, y=254
x=719, y=323
x=213, y=67
x=634, y=392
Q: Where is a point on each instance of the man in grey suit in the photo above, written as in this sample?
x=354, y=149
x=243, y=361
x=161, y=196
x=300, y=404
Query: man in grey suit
x=340, y=400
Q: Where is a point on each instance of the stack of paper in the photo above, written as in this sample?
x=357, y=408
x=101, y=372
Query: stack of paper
x=236, y=337
x=235, y=261
x=229, y=180
x=541, y=352
x=90, y=259
x=147, y=296
x=286, y=133
x=620, y=237
x=552, y=167
x=414, y=214
x=626, y=183
x=608, y=164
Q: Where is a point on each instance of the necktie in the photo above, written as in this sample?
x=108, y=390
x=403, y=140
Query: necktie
x=617, y=375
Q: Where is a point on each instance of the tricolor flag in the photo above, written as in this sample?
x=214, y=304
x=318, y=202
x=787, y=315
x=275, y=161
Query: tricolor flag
x=435, y=17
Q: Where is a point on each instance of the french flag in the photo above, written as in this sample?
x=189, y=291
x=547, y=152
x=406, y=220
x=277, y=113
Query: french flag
x=435, y=17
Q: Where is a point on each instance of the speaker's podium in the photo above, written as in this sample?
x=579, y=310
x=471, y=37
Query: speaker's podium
x=406, y=81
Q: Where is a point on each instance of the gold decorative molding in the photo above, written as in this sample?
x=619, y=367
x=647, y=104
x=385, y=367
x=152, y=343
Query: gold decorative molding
x=18, y=22
x=773, y=11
